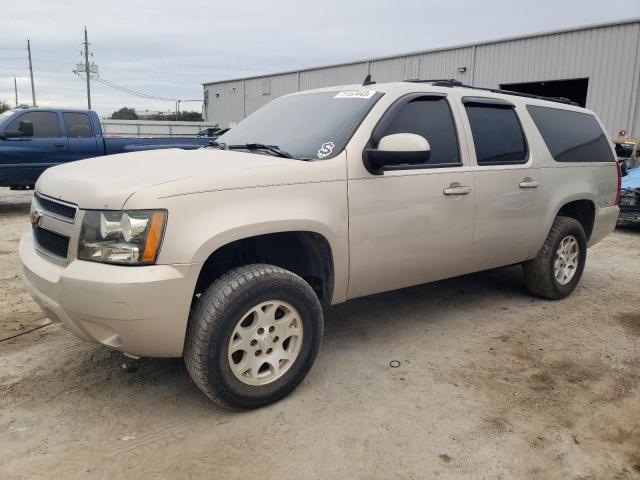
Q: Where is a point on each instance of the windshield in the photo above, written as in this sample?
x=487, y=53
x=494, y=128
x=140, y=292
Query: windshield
x=308, y=126
x=624, y=150
x=5, y=115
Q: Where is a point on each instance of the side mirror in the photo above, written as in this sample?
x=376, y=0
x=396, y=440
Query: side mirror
x=26, y=128
x=397, y=149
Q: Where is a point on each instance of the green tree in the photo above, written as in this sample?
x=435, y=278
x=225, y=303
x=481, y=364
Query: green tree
x=191, y=116
x=4, y=106
x=183, y=117
x=125, y=113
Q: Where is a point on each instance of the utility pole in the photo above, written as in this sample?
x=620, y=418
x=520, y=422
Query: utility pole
x=15, y=88
x=33, y=89
x=87, y=68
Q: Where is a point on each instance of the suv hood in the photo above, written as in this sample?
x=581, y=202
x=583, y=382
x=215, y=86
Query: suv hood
x=107, y=182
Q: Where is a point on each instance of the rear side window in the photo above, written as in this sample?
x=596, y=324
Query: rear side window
x=45, y=124
x=77, y=125
x=431, y=118
x=571, y=136
x=497, y=134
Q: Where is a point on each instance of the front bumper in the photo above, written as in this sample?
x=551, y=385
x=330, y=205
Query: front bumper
x=629, y=215
x=138, y=310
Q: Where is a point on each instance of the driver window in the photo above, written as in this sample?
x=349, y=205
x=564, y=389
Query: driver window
x=45, y=124
x=431, y=118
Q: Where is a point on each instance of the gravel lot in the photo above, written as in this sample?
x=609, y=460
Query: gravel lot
x=492, y=384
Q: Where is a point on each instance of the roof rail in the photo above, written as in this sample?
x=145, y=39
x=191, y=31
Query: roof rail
x=452, y=82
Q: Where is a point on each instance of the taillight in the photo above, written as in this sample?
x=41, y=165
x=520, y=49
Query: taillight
x=619, y=184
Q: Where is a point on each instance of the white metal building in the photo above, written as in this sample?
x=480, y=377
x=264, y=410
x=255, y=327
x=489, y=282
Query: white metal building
x=597, y=65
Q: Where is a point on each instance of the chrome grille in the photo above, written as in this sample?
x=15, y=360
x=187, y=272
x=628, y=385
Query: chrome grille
x=56, y=208
x=51, y=243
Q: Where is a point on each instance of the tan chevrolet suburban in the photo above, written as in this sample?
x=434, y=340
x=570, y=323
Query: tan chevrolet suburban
x=225, y=255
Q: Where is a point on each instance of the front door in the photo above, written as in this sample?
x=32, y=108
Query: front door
x=412, y=225
x=25, y=158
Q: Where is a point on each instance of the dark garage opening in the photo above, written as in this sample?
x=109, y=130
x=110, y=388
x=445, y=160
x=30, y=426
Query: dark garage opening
x=574, y=89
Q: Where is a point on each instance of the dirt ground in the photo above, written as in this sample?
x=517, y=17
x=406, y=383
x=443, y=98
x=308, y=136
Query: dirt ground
x=491, y=384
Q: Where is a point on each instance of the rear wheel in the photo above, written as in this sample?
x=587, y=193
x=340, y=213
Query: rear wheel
x=253, y=336
x=556, y=271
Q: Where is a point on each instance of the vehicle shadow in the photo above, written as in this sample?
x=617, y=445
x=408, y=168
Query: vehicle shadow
x=343, y=322
x=437, y=298
x=98, y=372
x=628, y=228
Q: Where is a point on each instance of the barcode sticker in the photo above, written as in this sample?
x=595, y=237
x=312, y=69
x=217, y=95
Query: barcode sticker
x=356, y=94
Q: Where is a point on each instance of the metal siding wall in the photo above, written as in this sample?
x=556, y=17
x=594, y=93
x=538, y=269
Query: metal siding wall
x=445, y=64
x=330, y=76
x=229, y=106
x=609, y=56
x=280, y=85
x=604, y=55
x=387, y=70
x=634, y=115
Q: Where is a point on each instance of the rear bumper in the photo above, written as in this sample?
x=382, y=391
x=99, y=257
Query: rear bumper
x=604, y=223
x=137, y=310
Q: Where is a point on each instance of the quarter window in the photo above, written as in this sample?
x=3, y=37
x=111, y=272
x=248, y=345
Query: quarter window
x=77, y=125
x=497, y=134
x=45, y=124
x=571, y=136
x=431, y=118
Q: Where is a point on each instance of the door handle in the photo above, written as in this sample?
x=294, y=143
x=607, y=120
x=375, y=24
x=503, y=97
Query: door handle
x=456, y=189
x=59, y=145
x=529, y=183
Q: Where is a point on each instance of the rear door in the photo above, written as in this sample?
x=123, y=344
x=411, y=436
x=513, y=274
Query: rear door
x=509, y=194
x=412, y=224
x=25, y=158
x=81, y=139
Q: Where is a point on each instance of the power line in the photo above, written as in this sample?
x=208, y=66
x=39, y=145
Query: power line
x=136, y=93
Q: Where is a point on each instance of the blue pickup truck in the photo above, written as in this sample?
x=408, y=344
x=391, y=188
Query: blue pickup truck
x=34, y=139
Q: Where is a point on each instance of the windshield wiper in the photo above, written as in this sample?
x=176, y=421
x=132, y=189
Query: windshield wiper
x=260, y=146
x=216, y=144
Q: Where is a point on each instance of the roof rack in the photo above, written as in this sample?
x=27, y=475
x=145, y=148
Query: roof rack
x=452, y=82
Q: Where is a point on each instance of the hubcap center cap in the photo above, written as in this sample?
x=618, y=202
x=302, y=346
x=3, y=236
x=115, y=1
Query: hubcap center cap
x=265, y=341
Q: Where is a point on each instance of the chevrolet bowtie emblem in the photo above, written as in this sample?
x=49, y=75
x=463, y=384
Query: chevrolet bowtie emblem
x=36, y=218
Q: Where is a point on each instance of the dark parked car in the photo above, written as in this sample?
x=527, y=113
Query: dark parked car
x=34, y=139
x=630, y=197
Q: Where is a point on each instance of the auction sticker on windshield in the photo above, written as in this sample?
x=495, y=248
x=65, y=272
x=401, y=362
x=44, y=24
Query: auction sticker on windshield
x=356, y=94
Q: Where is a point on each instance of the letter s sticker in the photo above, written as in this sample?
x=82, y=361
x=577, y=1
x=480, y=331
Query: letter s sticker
x=326, y=149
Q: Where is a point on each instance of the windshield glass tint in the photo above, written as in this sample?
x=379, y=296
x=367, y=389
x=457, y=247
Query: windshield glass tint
x=310, y=125
x=623, y=151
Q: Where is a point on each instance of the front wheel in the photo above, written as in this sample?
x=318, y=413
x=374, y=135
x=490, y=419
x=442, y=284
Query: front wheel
x=253, y=336
x=556, y=271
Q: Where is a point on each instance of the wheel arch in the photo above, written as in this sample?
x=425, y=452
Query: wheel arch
x=581, y=209
x=305, y=252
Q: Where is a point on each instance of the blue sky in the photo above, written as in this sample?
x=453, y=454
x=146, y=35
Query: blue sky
x=168, y=48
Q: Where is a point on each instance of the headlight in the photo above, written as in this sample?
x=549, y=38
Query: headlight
x=130, y=237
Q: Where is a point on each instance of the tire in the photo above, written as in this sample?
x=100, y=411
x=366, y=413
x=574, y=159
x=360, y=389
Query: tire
x=540, y=272
x=237, y=304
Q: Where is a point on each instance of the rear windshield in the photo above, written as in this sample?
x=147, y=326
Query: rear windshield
x=571, y=136
x=309, y=125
